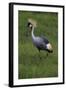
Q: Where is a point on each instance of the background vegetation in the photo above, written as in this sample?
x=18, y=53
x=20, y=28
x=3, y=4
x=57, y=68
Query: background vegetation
x=30, y=65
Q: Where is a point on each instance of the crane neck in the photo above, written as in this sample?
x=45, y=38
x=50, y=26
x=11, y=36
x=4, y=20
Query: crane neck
x=33, y=36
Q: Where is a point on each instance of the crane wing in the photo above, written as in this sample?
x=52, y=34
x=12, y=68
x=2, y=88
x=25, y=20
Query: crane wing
x=45, y=39
x=43, y=45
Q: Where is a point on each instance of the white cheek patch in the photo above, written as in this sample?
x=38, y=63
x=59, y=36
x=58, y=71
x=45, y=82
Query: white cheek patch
x=30, y=25
x=49, y=47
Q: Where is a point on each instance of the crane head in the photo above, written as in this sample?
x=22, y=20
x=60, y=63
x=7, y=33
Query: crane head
x=32, y=23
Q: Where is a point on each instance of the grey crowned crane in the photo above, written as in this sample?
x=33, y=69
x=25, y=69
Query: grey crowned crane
x=41, y=43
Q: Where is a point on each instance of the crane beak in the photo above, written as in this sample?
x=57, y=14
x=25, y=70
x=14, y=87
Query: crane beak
x=29, y=28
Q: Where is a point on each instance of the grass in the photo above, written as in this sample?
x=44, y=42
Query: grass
x=30, y=65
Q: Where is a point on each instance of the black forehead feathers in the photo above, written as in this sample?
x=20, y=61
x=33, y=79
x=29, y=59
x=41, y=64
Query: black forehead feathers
x=29, y=24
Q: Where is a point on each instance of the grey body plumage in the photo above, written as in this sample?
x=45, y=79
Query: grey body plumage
x=40, y=44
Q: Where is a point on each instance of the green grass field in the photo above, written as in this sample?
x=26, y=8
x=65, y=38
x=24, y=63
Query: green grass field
x=30, y=65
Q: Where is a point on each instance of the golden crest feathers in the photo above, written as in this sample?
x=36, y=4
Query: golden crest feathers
x=33, y=22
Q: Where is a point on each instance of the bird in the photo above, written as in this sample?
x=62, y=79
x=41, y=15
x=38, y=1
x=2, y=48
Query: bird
x=40, y=42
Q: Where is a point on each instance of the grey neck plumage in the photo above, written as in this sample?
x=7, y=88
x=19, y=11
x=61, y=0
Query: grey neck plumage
x=32, y=33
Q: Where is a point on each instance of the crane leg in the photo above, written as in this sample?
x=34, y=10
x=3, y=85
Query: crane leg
x=39, y=54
